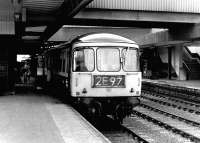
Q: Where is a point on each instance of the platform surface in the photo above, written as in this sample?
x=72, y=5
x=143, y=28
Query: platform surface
x=194, y=84
x=29, y=118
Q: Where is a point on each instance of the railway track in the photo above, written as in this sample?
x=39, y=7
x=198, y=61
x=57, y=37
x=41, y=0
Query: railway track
x=144, y=126
x=184, y=110
x=151, y=131
x=148, y=126
x=180, y=130
x=183, y=93
x=161, y=117
x=116, y=132
x=158, y=119
x=178, y=103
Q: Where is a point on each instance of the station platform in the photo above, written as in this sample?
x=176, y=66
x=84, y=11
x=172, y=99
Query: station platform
x=189, y=84
x=36, y=118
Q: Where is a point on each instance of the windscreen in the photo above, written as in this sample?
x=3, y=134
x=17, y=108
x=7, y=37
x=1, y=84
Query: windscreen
x=108, y=59
x=131, y=59
x=83, y=60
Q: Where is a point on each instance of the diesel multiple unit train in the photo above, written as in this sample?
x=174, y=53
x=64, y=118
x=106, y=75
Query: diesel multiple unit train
x=99, y=72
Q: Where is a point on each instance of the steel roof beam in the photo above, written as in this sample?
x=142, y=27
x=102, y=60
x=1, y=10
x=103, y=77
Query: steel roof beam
x=135, y=18
x=69, y=9
x=32, y=33
x=124, y=23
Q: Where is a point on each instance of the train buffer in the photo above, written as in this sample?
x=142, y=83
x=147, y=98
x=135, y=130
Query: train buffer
x=29, y=118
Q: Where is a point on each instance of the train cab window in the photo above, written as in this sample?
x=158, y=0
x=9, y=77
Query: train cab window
x=108, y=59
x=83, y=60
x=130, y=62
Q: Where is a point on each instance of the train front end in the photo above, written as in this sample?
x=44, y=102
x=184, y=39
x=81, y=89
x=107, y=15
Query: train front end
x=105, y=71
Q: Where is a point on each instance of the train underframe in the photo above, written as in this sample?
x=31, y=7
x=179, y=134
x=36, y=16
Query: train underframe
x=117, y=107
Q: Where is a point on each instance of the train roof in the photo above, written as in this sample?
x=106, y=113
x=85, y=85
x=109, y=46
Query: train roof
x=93, y=38
x=102, y=38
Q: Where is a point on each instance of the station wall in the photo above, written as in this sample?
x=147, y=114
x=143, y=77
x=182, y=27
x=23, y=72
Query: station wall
x=7, y=62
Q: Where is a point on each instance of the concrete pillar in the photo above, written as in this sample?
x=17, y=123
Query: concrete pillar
x=12, y=62
x=3, y=65
x=177, y=62
x=169, y=62
x=7, y=62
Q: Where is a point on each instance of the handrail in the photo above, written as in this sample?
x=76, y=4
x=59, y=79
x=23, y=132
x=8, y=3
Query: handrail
x=188, y=69
x=192, y=56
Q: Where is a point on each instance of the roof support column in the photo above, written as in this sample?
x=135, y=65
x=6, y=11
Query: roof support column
x=169, y=62
x=175, y=62
x=180, y=71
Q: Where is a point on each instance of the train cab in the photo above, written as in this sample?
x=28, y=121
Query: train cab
x=105, y=65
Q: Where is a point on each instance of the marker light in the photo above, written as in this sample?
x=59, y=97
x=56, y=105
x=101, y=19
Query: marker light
x=84, y=90
x=132, y=90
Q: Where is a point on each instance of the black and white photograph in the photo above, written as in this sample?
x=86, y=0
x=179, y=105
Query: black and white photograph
x=100, y=71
